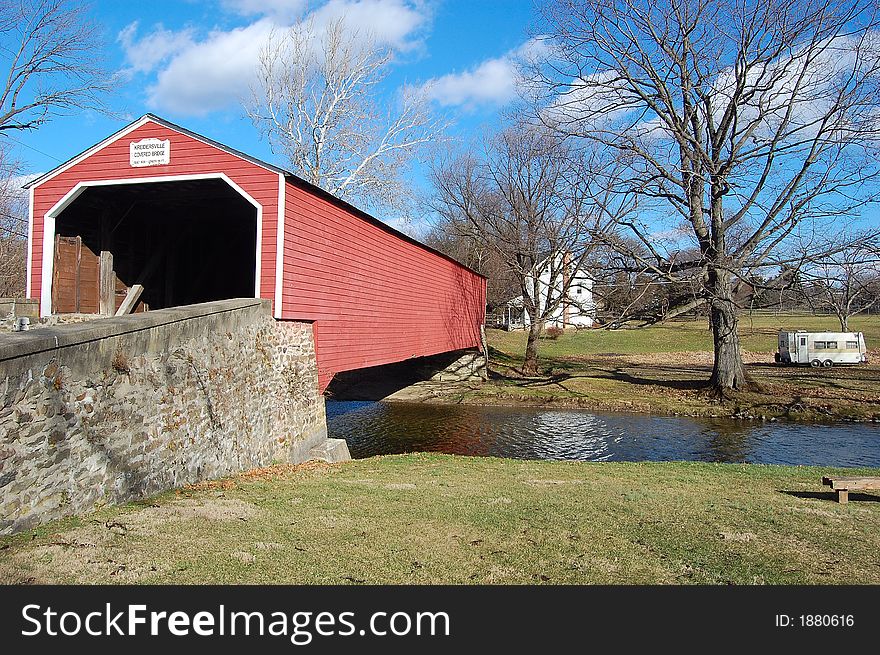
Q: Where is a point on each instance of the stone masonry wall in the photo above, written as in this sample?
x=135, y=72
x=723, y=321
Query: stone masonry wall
x=121, y=408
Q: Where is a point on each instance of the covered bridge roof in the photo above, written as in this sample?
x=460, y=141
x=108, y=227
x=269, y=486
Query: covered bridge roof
x=290, y=177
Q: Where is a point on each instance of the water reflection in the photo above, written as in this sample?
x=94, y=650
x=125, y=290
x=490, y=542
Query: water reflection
x=730, y=441
x=374, y=428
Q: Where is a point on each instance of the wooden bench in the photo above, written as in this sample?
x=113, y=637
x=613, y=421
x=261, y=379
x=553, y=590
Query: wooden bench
x=844, y=485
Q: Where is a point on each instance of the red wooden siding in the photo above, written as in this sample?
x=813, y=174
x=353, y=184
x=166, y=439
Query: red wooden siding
x=376, y=297
x=189, y=156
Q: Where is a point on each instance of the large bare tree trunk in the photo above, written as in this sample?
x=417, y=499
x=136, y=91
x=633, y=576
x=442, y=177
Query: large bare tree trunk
x=728, y=372
x=530, y=365
x=769, y=117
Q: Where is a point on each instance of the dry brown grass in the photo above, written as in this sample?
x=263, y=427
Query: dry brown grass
x=445, y=519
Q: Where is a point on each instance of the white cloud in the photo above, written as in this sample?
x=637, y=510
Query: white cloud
x=211, y=74
x=14, y=196
x=393, y=23
x=595, y=102
x=195, y=76
x=493, y=82
x=144, y=54
x=20, y=180
x=789, y=96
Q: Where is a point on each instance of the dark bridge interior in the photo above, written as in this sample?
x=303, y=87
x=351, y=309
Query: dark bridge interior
x=185, y=242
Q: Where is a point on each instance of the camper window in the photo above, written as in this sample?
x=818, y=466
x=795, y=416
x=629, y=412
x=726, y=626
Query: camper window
x=831, y=345
x=819, y=345
x=852, y=345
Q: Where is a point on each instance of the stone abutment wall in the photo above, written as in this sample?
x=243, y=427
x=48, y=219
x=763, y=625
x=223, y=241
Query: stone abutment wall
x=121, y=408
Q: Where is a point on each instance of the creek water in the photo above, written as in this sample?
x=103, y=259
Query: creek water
x=381, y=428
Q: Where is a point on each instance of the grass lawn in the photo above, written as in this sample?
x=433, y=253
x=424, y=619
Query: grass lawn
x=443, y=519
x=758, y=334
x=663, y=370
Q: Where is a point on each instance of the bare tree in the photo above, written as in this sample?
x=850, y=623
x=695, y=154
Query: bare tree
x=528, y=198
x=13, y=229
x=630, y=292
x=48, y=54
x=50, y=65
x=846, y=282
x=316, y=102
x=462, y=244
x=745, y=122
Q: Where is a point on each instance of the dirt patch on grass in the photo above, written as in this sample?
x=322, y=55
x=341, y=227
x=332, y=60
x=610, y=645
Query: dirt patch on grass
x=265, y=473
x=737, y=536
x=268, y=545
x=99, y=552
x=817, y=512
x=243, y=556
x=700, y=359
x=154, y=517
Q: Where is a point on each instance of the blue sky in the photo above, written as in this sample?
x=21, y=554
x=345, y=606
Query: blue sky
x=189, y=62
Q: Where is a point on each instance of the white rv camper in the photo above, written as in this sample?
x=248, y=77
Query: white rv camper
x=821, y=348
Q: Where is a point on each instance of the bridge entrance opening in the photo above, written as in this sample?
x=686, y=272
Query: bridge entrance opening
x=175, y=243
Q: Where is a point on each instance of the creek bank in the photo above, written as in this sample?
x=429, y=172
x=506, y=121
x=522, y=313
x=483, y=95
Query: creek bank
x=697, y=404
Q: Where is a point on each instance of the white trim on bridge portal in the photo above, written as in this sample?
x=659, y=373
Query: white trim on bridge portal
x=51, y=215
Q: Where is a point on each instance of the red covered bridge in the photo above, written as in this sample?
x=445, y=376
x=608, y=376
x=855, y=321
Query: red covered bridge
x=191, y=220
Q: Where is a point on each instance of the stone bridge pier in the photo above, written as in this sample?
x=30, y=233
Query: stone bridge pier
x=115, y=409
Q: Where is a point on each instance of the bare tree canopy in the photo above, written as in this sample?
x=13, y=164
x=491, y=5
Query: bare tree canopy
x=845, y=282
x=528, y=198
x=316, y=102
x=48, y=56
x=745, y=122
x=13, y=229
x=474, y=252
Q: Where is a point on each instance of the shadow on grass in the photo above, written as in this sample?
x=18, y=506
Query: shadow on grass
x=502, y=366
x=840, y=375
x=682, y=377
x=506, y=368
x=660, y=380
x=832, y=495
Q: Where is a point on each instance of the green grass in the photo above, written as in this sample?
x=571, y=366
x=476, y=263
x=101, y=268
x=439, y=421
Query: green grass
x=665, y=369
x=758, y=334
x=444, y=519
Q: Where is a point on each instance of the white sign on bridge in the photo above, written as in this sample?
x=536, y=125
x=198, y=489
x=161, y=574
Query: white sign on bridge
x=150, y=152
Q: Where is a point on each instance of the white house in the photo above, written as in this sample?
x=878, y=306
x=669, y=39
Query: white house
x=577, y=309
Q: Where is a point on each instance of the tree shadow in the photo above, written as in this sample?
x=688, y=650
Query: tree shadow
x=555, y=379
x=623, y=375
x=505, y=368
x=831, y=495
x=839, y=375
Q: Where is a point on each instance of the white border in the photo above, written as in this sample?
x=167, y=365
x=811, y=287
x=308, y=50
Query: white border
x=75, y=192
x=30, y=252
x=279, y=247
